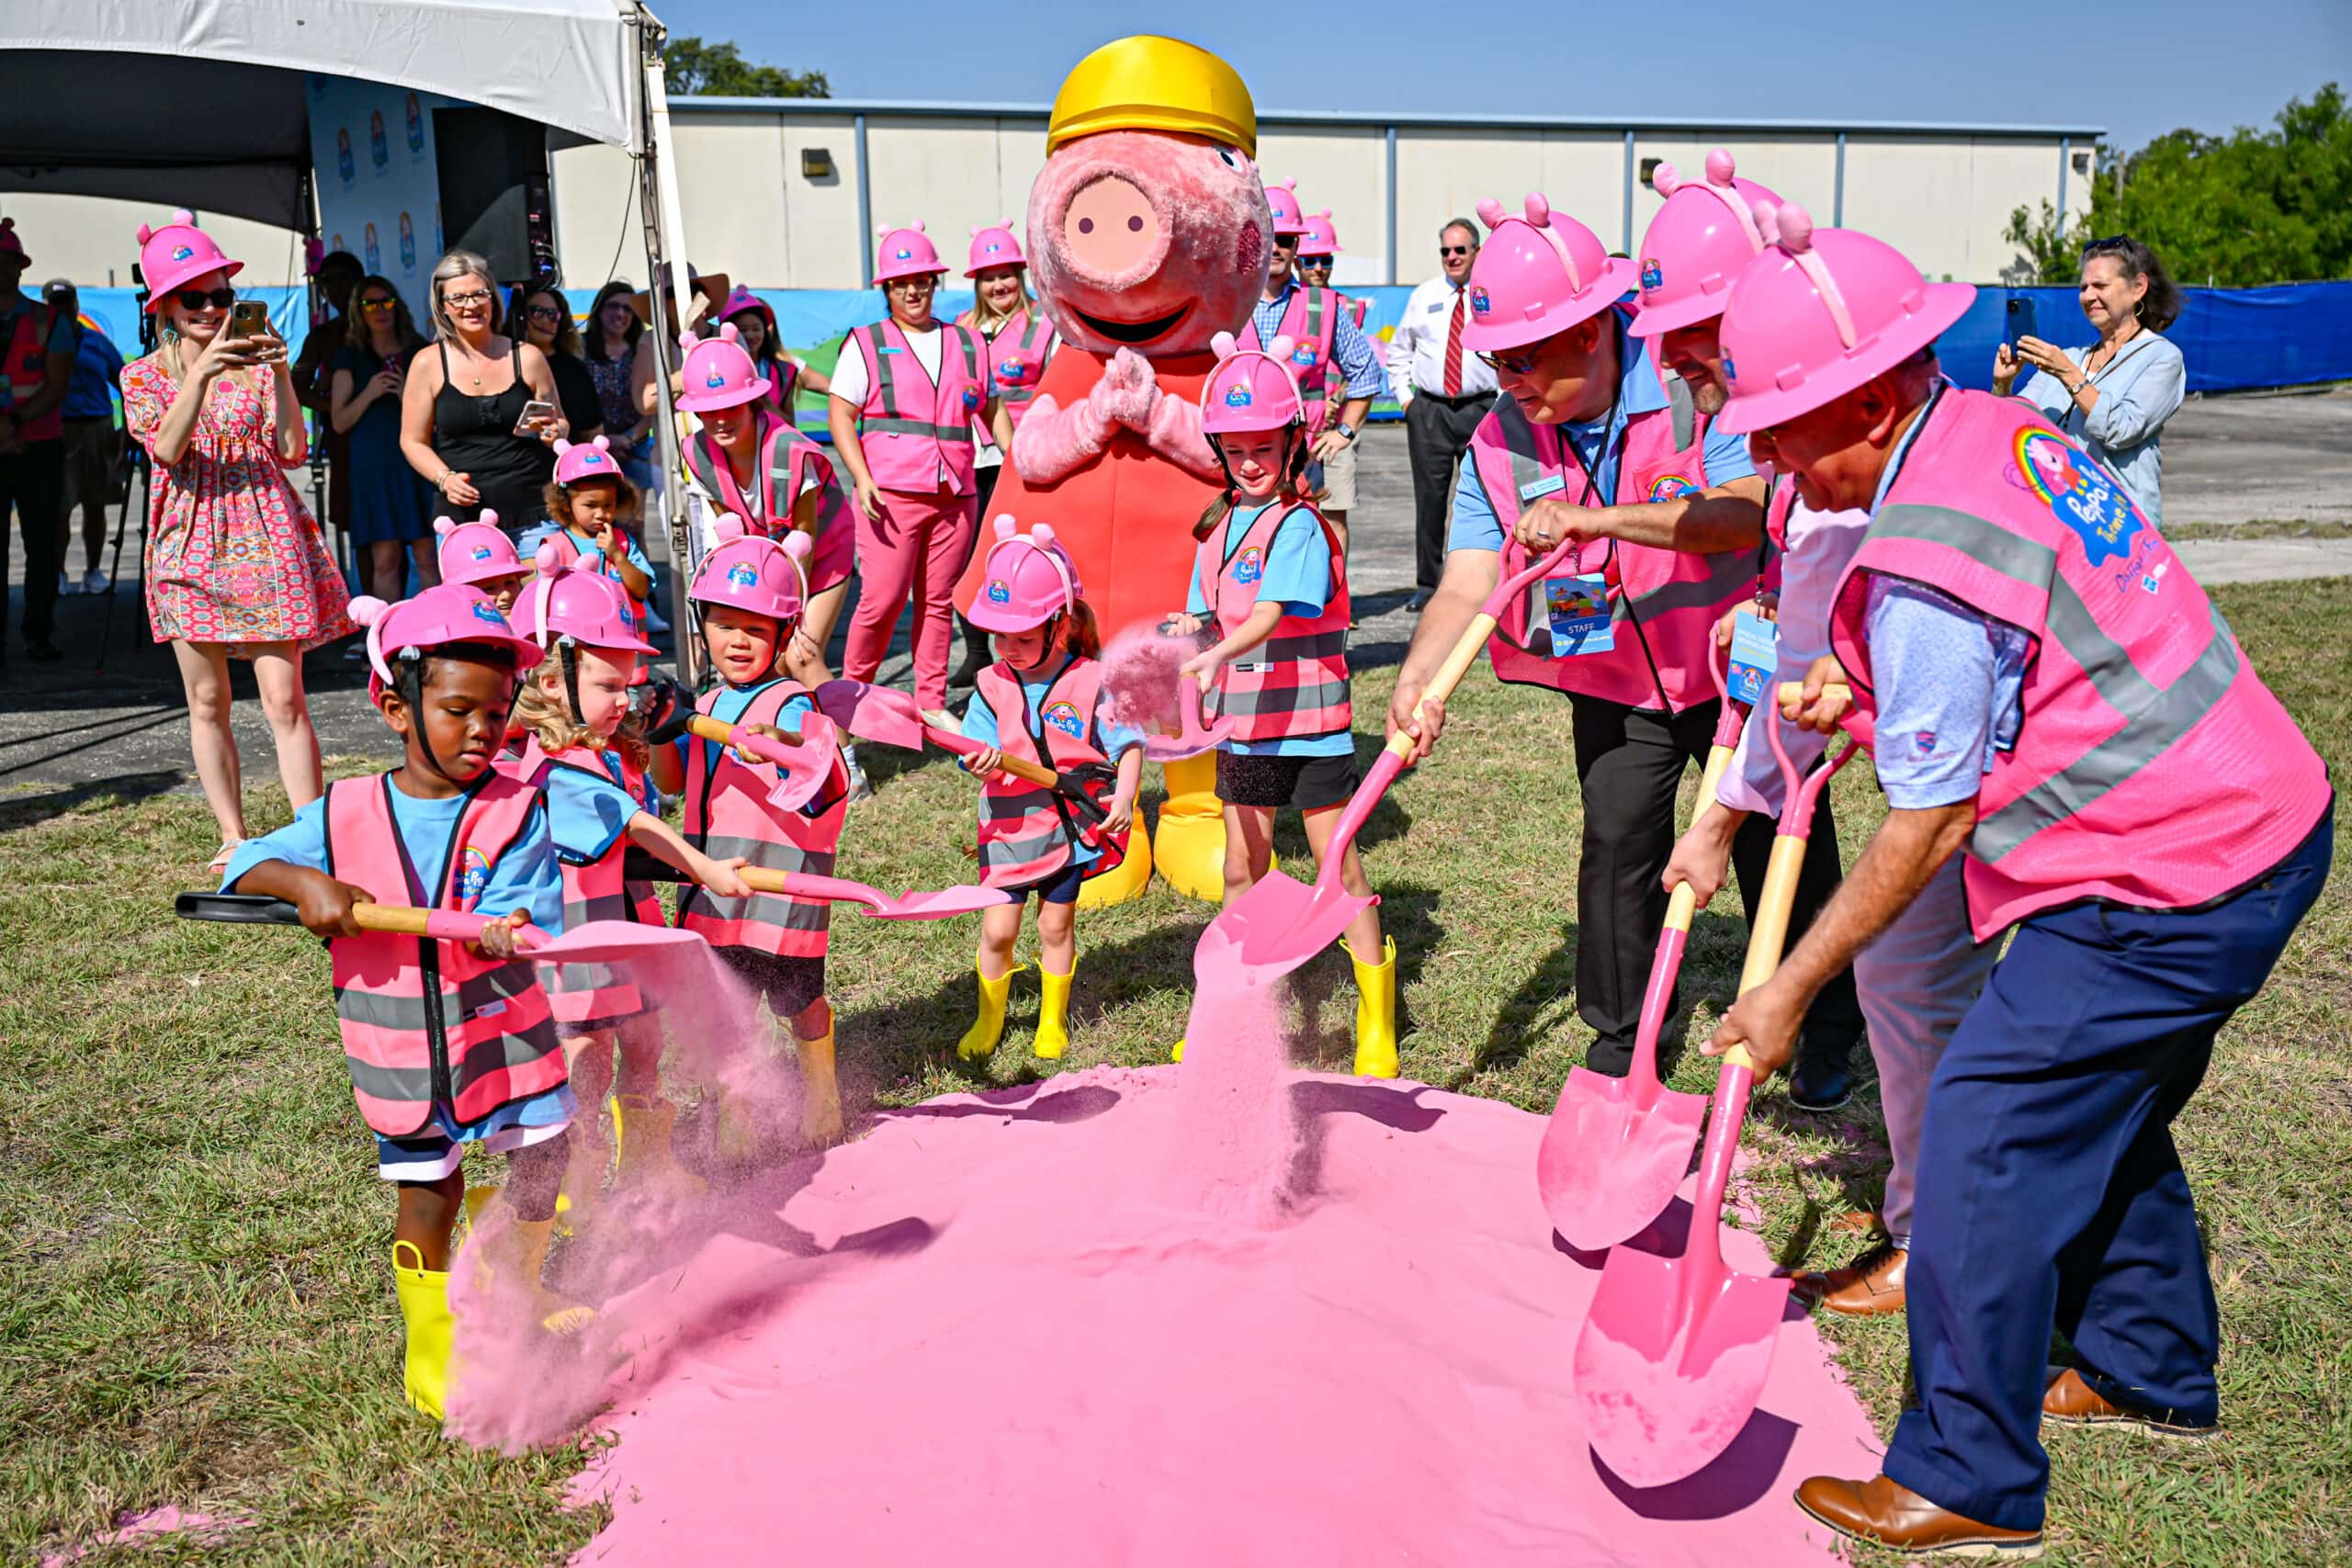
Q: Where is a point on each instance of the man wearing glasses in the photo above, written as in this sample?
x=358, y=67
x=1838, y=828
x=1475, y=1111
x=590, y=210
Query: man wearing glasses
x=1445, y=392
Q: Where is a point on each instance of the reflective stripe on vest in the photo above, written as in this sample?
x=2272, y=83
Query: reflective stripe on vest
x=582, y=993
x=1016, y=374
x=27, y=371
x=912, y=432
x=727, y=815
x=1296, y=684
x=1664, y=619
x=422, y=1021
x=1311, y=321
x=2152, y=765
x=1027, y=833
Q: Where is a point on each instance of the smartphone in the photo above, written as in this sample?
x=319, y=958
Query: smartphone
x=249, y=318
x=2020, y=321
x=533, y=410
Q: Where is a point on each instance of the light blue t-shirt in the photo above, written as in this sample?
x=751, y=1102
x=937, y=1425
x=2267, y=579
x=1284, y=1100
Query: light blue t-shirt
x=586, y=813
x=1598, y=445
x=1112, y=738
x=590, y=557
x=526, y=877
x=1354, y=354
x=1296, y=570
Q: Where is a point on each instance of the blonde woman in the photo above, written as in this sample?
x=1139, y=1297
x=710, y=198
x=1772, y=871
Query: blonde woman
x=1020, y=340
x=466, y=420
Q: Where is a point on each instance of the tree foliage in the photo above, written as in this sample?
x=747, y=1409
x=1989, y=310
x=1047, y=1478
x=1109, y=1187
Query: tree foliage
x=2253, y=207
x=696, y=69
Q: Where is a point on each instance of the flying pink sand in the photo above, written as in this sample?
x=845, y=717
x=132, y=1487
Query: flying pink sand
x=994, y=1327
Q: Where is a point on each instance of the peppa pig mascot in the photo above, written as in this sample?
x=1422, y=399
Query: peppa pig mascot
x=1148, y=234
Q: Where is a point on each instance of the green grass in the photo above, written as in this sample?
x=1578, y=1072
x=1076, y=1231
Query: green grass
x=192, y=1240
x=2262, y=528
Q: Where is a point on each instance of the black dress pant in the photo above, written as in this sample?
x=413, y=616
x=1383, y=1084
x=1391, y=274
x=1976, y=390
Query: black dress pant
x=32, y=481
x=1630, y=764
x=1437, y=434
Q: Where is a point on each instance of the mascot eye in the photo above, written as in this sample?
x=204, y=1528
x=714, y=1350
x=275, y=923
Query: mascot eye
x=1232, y=159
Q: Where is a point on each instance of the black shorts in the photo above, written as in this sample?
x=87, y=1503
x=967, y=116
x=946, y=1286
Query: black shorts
x=1062, y=887
x=788, y=984
x=1310, y=783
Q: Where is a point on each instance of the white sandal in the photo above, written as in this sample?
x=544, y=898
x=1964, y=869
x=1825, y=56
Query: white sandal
x=221, y=857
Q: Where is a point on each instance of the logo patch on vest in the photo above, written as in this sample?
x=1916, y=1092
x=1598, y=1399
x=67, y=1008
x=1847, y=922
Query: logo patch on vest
x=1250, y=565
x=1479, y=303
x=972, y=399
x=1653, y=276
x=1926, y=740
x=486, y=612
x=1303, y=354
x=1237, y=396
x=1063, y=716
x=473, y=877
x=999, y=592
x=2079, y=496
x=1010, y=368
x=1666, y=487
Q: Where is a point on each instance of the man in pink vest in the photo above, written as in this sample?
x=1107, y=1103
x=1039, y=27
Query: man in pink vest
x=1588, y=442
x=40, y=343
x=2050, y=691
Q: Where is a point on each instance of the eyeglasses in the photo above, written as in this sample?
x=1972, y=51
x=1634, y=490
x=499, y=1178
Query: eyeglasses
x=1455, y=250
x=198, y=298
x=378, y=305
x=1514, y=362
x=470, y=297
x=544, y=313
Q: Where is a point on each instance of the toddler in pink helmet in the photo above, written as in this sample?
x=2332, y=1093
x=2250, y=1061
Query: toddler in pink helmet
x=1042, y=703
x=593, y=513
x=1270, y=596
x=449, y=1044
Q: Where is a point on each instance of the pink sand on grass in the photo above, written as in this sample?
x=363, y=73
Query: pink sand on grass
x=130, y=1530
x=1047, y=1326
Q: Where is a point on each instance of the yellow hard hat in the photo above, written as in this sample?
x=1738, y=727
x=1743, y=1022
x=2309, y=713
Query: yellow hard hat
x=1148, y=82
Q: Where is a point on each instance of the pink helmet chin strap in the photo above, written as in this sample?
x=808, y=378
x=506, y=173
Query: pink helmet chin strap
x=1794, y=226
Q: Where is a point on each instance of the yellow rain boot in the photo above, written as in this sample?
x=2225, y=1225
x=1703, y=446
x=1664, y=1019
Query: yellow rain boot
x=979, y=1041
x=425, y=1309
x=584, y=1178
x=1178, y=1053
x=642, y=1128
x=519, y=1251
x=820, y=1105
x=1377, y=1012
x=1126, y=881
x=1053, y=1013
x=1190, y=850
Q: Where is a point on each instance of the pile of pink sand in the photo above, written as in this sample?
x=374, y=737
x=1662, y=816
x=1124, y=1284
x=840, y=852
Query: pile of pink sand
x=1005, y=1329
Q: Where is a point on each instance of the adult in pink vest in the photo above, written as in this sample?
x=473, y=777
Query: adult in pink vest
x=1590, y=442
x=906, y=392
x=40, y=343
x=2052, y=693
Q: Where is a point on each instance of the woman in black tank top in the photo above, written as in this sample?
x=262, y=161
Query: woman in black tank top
x=462, y=437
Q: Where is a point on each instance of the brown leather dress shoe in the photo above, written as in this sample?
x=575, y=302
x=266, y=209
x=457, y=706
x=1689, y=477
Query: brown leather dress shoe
x=1854, y=1222
x=1880, y=1510
x=1870, y=1286
x=2070, y=1402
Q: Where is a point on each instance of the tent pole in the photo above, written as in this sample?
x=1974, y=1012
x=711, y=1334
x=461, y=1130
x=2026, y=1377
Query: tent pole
x=665, y=247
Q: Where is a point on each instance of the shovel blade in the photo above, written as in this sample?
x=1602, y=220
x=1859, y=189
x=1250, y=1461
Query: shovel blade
x=1607, y=1167
x=1669, y=1366
x=873, y=713
x=1272, y=930
x=943, y=905
x=612, y=941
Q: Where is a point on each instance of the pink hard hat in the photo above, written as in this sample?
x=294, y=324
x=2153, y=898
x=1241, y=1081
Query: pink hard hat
x=1818, y=313
x=476, y=552
x=1250, y=388
x=995, y=246
x=741, y=299
x=1283, y=196
x=1027, y=580
x=444, y=614
x=1538, y=275
x=587, y=607
x=1706, y=232
x=717, y=373
x=751, y=572
x=577, y=460
x=171, y=255
x=10, y=246
x=905, y=253
x=1318, y=238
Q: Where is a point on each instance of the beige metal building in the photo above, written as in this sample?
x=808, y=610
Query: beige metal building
x=784, y=193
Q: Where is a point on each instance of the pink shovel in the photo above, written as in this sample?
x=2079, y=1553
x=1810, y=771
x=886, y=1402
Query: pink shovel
x=1616, y=1148
x=1282, y=922
x=936, y=906
x=1675, y=1351
x=803, y=761
x=1196, y=737
x=597, y=942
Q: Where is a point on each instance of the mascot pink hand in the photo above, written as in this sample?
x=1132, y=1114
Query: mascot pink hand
x=1129, y=390
x=1054, y=442
x=1175, y=435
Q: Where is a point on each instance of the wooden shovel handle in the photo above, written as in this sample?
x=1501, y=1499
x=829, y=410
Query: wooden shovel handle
x=718, y=730
x=1791, y=690
x=401, y=920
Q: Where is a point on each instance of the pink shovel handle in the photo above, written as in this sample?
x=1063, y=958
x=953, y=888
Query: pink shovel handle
x=807, y=885
x=1734, y=1082
x=442, y=925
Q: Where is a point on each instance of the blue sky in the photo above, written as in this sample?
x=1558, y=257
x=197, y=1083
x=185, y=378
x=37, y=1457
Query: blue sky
x=2138, y=70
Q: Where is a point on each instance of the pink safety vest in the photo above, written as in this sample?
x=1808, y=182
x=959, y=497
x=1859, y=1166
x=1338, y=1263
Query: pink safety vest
x=425, y=1021
x=1670, y=600
x=581, y=994
x=783, y=374
x=1297, y=682
x=1357, y=308
x=727, y=814
x=2152, y=766
x=28, y=370
x=910, y=430
x=1017, y=360
x=1310, y=320
x=787, y=459
x=1026, y=832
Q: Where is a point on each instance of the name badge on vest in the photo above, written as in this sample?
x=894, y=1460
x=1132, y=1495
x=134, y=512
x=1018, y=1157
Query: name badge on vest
x=1577, y=607
x=1550, y=484
x=1755, y=655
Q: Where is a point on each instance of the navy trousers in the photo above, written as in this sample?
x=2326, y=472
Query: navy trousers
x=2049, y=1193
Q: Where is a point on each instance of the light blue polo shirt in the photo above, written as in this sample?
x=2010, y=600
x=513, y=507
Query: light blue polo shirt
x=1298, y=573
x=1598, y=446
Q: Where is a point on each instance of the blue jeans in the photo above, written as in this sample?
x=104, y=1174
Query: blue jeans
x=2051, y=1195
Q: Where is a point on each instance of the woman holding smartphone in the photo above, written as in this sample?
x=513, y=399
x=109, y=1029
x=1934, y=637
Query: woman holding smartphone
x=234, y=563
x=391, y=509
x=476, y=415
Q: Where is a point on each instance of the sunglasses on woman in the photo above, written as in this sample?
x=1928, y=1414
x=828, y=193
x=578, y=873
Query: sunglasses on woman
x=544, y=313
x=198, y=298
x=376, y=306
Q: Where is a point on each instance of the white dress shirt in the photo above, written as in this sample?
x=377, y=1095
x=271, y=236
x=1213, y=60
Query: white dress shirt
x=1417, y=351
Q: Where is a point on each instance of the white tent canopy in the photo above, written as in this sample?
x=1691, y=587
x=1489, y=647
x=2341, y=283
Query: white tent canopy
x=202, y=102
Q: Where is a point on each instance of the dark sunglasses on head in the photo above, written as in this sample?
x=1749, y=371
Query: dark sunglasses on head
x=198, y=298
x=2112, y=243
x=1455, y=250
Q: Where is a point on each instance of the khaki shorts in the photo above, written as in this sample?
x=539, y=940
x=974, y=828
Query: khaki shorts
x=90, y=470
x=1339, y=491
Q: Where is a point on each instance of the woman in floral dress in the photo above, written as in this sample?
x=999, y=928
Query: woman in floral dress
x=234, y=563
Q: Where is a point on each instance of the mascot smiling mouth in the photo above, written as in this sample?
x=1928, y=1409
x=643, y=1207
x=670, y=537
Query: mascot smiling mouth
x=1134, y=331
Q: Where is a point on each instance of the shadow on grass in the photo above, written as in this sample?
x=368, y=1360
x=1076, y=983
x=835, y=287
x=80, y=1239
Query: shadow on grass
x=123, y=789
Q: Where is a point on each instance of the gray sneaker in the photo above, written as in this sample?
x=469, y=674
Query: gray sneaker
x=859, y=788
x=96, y=582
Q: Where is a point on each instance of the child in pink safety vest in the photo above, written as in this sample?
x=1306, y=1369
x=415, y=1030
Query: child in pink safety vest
x=449, y=1044
x=750, y=589
x=1270, y=586
x=587, y=751
x=1042, y=701
x=592, y=511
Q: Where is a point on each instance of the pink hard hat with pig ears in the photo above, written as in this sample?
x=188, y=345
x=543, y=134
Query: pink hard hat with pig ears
x=1702, y=236
x=905, y=252
x=1318, y=237
x=176, y=253
x=1250, y=388
x=580, y=460
x=1027, y=580
x=1282, y=196
x=1538, y=273
x=753, y=574
x=995, y=246
x=717, y=373
x=438, y=616
x=475, y=552
x=585, y=608
x=1818, y=313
